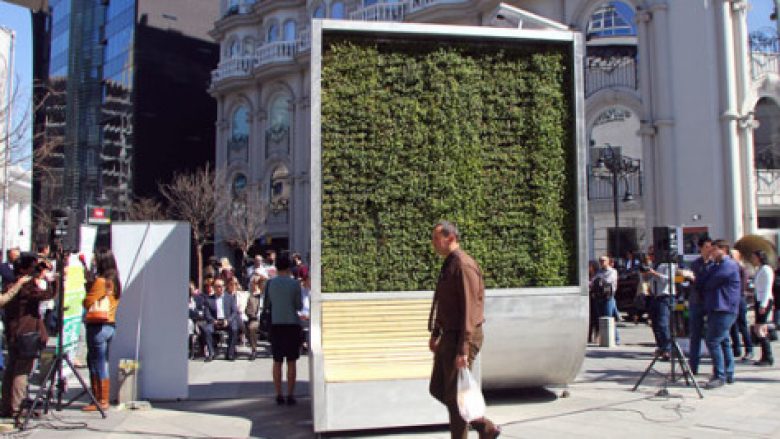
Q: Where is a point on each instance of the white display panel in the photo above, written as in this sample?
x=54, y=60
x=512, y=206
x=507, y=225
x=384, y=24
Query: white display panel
x=154, y=265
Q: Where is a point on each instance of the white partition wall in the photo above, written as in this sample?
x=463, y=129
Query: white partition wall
x=153, y=259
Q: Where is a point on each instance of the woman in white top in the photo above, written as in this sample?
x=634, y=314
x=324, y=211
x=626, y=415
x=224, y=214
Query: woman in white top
x=762, y=282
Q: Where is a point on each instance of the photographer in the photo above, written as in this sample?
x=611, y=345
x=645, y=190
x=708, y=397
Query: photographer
x=660, y=307
x=25, y=330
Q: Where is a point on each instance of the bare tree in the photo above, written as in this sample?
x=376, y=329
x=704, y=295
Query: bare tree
x=245, y=217
x=146, y=209
x=15, y=141
x=193, y=198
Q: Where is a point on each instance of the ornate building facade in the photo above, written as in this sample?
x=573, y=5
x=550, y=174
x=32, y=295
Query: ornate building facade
x=680, y=100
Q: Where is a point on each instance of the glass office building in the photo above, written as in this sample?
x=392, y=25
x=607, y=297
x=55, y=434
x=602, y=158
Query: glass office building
x=119, y=83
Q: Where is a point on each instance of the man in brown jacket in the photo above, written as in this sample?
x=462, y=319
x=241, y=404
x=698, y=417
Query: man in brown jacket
x=455, y=322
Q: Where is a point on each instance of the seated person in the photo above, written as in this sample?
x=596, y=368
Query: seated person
x=221, y=314
x=196, y=324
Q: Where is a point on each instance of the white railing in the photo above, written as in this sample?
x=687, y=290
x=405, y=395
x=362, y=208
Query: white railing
x=419, y=5
x=278, y=51
x=762, y=63
x=767, y=187
x=380, y=12
x=234, y=67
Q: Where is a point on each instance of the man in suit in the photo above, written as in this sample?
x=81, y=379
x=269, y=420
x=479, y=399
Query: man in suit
x=221, y=314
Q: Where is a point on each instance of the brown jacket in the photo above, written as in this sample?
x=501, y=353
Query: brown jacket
x=21, y=313
x=100, y=288
x=459, y=299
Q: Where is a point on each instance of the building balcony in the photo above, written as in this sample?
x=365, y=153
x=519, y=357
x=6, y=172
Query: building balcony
x=240, y=67
x=767, y=183
x=419, y=5
x=764, y=54
x=276, y=52
x=600, y=186
x=380, y=12
x=267, y=54
x=602, y=73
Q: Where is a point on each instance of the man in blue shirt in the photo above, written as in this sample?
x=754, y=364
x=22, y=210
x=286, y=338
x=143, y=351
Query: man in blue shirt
x=720, y=285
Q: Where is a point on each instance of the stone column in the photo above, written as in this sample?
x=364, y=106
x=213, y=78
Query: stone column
x=729, y=116
x=747, y=122
x=665, y=174
x=647, y=129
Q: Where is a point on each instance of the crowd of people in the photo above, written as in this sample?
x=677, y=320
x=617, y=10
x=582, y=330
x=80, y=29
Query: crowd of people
x=29, y=288
x=718, y=286
x=272, y=300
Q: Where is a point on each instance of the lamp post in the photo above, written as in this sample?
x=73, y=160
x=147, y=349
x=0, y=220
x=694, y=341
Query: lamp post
x=619, y=167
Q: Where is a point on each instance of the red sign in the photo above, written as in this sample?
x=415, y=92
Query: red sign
x=98, y=215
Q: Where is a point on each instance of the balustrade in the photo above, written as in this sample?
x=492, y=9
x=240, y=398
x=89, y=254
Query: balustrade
x=380, y=12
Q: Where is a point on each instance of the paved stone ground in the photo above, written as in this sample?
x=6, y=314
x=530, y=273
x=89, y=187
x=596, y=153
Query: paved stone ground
x=235, y=399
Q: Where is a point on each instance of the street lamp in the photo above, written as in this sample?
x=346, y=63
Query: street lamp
x=612, y=163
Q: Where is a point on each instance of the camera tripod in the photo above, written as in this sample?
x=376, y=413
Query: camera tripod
x=675, y=355
x=54, y=377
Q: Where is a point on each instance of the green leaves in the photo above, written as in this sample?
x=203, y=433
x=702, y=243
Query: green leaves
x=414, y=132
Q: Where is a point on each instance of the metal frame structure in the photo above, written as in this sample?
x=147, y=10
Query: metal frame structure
x=534, y=336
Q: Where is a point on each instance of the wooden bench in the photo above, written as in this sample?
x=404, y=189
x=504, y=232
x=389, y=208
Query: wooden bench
x=371, y=340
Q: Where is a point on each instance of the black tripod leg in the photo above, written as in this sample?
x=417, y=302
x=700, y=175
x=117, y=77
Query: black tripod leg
x=687, y=373
x=40, y=397
x=649, y=368
x=84, y=386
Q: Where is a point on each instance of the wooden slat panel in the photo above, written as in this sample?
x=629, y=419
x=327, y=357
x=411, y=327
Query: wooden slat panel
x=370, y=340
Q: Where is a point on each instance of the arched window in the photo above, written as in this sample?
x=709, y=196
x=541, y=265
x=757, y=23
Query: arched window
x=240, y=124
x=766, y=138
x=249, y=46
x=280, y=188
x=239, y=184
x=319, y=11
x=337, y=10
x=289, y=30
x=235, y=48
x=280, y=114
x=612, y=19
x=273, y=33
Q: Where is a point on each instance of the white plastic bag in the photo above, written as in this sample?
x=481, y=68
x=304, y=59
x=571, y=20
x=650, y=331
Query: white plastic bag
x=471, y=404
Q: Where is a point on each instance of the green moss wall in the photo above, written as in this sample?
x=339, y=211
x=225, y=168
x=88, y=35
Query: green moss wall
x=478, y=134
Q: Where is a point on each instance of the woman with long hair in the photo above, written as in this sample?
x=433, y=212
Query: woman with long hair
x=763, y=281
x=101, y=326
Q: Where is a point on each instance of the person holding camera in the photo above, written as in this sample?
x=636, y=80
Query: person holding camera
x=101, y=325
x=660, y=307
x=25, y=330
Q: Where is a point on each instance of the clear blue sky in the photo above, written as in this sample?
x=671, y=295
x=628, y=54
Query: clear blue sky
x=18, y=19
